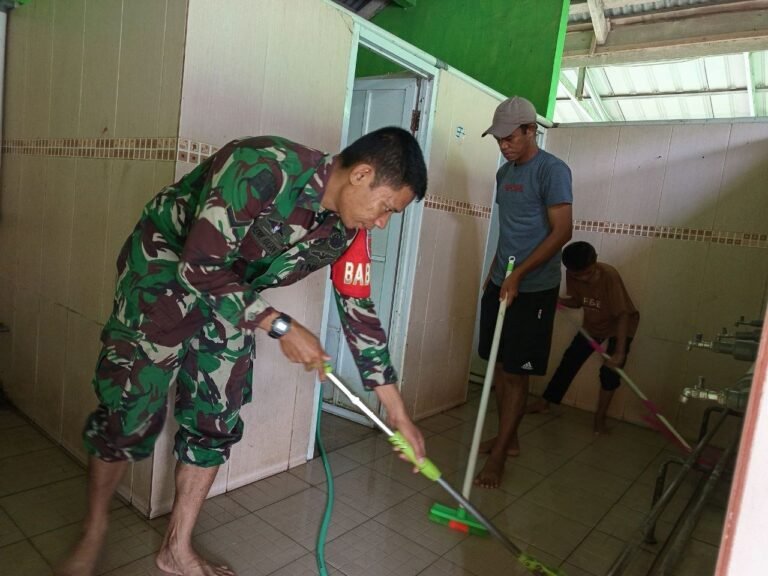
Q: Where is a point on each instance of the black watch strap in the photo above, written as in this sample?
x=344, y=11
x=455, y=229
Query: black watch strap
x=280, y=326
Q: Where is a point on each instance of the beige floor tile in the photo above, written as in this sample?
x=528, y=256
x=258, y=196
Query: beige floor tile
x=570, y=502
x=372, y=549
x=300, y=516
x=22, y=440
x=9, y=531
x=313, y=471
x=39, y=468
x=627, y=462
x=367, y=450
x=488, y=557
x=467, y=412
x=625, y=524
x=9, y=419
x=216, y=511
x=565, y=440
x=443, y=567
x=250, y=546
x=143, y=567
x=571, y=570
x=267, y=491
x=393, y=467
x=448, y=455
x=26, y=561
x=49, y=507
x=590, y=480
x=465, y=432
x=538, y=460
x=129, y=538
x=370, y=492
x=549, y=531
x=640, y=497
x=337, y=432
x=305, y=566
x=652, y=470
x=636, y=435
x=439, y=423
x=410, y=518
x=516, y=481
x=640, y=563
x=597, y=553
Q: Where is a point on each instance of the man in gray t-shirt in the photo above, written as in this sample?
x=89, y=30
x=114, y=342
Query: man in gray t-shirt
x=534, y=197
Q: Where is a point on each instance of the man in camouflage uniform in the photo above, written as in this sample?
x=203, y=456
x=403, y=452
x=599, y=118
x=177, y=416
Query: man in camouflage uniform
x=260, y=213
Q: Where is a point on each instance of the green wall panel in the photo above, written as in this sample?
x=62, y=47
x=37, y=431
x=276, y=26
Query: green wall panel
x=513, y=46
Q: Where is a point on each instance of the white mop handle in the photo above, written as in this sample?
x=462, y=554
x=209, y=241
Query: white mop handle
x=359, y=403
x=487, y=382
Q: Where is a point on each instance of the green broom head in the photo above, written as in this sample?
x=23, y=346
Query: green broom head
x=456, y=519
x=537, y=568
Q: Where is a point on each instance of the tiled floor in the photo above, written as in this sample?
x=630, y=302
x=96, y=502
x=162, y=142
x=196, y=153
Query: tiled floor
x=571, y=500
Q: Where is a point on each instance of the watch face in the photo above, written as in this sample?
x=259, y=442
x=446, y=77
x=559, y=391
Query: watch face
x=280, y=326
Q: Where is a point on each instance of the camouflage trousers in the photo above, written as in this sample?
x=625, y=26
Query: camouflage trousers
x=212, y=370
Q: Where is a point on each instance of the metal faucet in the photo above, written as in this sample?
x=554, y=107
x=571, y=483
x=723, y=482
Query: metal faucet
x=733, y=398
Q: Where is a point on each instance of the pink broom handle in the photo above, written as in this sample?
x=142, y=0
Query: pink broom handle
x=648, y=404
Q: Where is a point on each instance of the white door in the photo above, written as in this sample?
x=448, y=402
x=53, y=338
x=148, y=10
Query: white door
x=376, y=103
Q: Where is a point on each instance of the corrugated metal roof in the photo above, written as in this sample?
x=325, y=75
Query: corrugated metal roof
x=698, y=88
x=640, y=8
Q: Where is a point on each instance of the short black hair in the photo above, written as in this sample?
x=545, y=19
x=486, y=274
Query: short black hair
x=579, y=255
x=395, y=155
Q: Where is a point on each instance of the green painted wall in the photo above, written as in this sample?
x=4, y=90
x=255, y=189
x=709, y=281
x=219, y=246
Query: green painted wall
x=513, y=46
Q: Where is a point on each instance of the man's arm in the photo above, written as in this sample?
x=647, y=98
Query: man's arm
x=560, y=218
x=398, y=418
x=620, y=353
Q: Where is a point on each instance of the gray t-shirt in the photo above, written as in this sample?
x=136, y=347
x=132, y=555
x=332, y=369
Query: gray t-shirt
x=523, y=193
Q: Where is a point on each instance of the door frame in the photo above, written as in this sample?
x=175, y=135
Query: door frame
x=366, y=35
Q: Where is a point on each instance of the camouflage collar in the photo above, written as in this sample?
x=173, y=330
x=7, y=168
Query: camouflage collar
x=312, y=194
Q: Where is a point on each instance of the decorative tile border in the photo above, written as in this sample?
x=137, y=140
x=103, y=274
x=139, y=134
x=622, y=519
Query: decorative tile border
x=194, y=152
x=164, y=149
x=456, y=206
x=748, y=239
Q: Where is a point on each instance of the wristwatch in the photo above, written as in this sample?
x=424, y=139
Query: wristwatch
x=280, y=326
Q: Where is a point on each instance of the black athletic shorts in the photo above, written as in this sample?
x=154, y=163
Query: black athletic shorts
x=527, y=334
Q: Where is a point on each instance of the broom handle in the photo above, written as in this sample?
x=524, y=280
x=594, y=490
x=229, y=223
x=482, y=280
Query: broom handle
x=624, y=376
x=487, y=382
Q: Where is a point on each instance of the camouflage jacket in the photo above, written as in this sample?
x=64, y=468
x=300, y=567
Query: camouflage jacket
x=249, y=218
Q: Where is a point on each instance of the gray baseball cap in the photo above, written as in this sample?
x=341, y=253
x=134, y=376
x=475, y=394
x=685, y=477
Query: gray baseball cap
x=510, y=114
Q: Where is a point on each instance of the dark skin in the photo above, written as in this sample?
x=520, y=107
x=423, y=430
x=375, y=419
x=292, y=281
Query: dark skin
x=512, y=389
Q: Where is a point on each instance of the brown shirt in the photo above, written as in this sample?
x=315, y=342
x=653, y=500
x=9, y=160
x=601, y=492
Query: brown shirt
x=604, y=298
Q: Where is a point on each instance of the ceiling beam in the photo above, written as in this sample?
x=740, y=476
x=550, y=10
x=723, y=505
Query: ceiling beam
x=654, y=95
x=372, y=8
x=600, y=25
x=751, y=93
x=693, y=37
x=582, y=8
x=597, y=99
x=583, y=108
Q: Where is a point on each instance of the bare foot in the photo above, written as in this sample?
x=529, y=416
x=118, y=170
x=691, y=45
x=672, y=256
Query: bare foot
x=541, y=406
x=490, y=475
x=188, y=564
x=487, y=446
x=82, y=559
x=600, y=428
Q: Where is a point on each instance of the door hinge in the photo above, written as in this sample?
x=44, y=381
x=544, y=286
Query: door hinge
x=415, y=121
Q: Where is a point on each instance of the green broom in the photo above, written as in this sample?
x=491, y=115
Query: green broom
x=428, y=469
